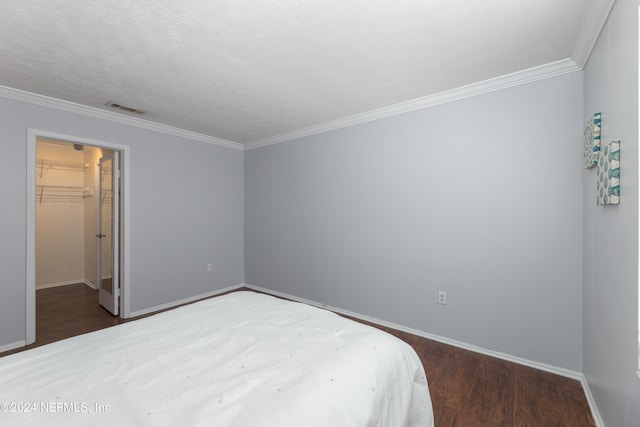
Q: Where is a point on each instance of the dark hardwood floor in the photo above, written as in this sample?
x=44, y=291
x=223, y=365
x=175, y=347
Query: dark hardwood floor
x=467, y=389
x=67, y=311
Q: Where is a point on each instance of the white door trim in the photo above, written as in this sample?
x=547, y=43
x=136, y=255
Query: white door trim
x=125, y=256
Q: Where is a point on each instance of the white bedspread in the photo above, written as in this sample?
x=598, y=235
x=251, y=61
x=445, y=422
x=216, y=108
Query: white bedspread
x=243, y=359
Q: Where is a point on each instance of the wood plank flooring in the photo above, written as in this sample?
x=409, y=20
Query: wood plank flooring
x=470, y=389
x=67, y=311
x=467, y=389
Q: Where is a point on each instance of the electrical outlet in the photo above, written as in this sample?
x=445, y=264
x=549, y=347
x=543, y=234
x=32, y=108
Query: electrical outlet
x=442, y=297
x=209, y=268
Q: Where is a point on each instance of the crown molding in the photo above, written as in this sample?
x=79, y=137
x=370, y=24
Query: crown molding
x=72, y=107
x=509, y=80
x=552, y=69
x=592, y=24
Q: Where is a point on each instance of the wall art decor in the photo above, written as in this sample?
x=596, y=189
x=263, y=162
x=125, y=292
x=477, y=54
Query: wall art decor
x=608, y=175
x=592, y=134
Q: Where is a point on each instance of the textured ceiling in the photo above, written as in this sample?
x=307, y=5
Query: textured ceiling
x=247, y=70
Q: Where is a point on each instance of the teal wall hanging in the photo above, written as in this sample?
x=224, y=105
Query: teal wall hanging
x=592, y=134
x=608, y=175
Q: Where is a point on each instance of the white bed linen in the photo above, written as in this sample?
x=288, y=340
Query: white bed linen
x=242, y=359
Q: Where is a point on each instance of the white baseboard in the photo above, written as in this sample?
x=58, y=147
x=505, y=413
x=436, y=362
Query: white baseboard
x=66, y=283
x=466, y=346
x=55, y=285
x=184, y=301
x=595, y=413
x=509, y=358
x=13, y=346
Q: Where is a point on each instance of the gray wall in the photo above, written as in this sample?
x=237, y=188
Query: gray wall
x=481, y=198
x=611, y=233
x=187, y=210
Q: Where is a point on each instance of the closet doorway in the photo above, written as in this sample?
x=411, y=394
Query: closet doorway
x=76, y=221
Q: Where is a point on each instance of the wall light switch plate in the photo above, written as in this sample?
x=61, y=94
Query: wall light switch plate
x=442, y=297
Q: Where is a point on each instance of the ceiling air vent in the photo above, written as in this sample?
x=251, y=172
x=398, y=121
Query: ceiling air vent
x=125, y=108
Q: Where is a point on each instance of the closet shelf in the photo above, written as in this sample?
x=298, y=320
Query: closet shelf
x=61, y=193
x=44, y=165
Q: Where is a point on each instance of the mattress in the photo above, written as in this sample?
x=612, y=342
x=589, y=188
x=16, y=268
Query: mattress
x=242, y=359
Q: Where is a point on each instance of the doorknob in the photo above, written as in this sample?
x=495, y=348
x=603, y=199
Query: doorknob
x=100, y=236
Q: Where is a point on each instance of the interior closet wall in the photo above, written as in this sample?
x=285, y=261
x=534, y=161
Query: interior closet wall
x=67, y=184
x=60, y=215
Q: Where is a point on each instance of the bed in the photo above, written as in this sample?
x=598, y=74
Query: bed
x=242, y=359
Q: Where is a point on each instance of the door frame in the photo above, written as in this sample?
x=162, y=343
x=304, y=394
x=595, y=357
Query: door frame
x=125, y=253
